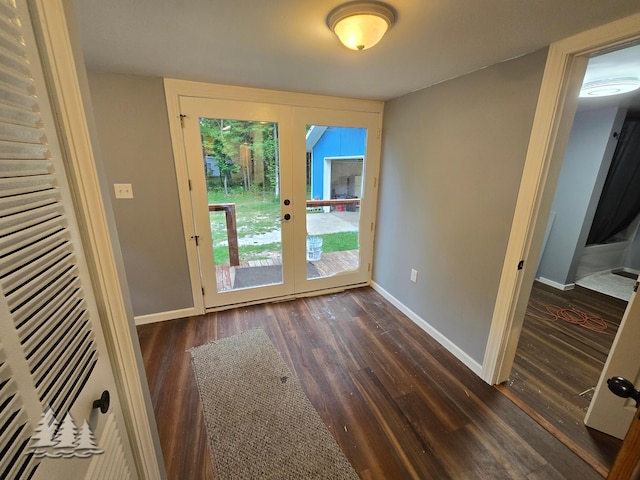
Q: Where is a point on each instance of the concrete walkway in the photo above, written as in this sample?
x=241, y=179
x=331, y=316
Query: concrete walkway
x=317, y=224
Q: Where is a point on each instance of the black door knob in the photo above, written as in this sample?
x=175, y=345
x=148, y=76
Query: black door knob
x=287, y=217
x=103, y=402
x=287, y=201
x=624, y=388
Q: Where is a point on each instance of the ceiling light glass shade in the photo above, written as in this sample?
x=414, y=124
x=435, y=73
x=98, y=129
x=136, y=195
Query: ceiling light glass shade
x=361, y=25
x=614, y=86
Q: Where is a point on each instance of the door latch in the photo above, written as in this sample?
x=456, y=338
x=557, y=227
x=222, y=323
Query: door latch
x=624, y=388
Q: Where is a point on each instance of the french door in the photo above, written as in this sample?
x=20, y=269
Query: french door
x=282, y=197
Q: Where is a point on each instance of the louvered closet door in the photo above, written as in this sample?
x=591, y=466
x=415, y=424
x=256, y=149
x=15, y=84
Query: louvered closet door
x=53, y=361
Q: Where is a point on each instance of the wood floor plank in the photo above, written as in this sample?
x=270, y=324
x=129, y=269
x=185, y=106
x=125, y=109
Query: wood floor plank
x=398, y=404
x=558, y=364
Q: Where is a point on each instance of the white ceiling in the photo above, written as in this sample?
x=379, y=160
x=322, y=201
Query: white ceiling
x=286, y=45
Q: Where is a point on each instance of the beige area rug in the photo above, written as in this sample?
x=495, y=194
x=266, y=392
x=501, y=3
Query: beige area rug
x=259, y=422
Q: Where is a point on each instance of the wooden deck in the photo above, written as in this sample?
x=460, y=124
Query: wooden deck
x=329, y=264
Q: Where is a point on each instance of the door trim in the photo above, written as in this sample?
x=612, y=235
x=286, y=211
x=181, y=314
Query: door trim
x=66, y=79
x=551, y=126
x=175, y=89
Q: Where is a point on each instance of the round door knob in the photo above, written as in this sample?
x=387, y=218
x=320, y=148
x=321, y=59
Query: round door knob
x=103, y=402
x=287, y=201
x=623, y=388
x=287, y=216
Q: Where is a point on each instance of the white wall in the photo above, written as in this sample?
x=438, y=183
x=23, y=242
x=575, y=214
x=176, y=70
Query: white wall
x=584, y=170
x=452, y=160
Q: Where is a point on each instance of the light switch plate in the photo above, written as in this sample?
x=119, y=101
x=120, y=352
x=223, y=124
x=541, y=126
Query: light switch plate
x=414, y=275
x=123, y=190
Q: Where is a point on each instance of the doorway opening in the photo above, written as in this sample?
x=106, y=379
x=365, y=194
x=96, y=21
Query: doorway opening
x=581, y=287
x=251, y=183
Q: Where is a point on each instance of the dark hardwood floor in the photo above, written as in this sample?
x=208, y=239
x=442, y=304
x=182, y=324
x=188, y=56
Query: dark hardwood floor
x=558, y=364
x=399, y=405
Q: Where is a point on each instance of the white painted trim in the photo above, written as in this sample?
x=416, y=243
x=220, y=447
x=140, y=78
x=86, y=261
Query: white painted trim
x=172, y=95
x=164, y=316
x=456, y=351
x=245, y=94
x=556, y=285
x=57, y=51
x=551, y=126
x=180, y=93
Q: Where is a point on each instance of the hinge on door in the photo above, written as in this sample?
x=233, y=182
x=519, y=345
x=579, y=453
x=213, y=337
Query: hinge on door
x=372, y=226
x=190, y=184
x=182, y=117
x=203, y=291
x=375, y=182
x=369, y=268
x=378, y=133
x=635, y=287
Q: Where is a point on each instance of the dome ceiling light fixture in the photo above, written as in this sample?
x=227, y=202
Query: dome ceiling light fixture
x=612, y=86
x=361, y=25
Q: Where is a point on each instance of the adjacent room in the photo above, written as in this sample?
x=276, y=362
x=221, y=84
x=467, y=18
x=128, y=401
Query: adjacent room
x=588, y=267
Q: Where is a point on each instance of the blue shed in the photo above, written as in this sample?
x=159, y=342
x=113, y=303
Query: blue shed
x=337, y=161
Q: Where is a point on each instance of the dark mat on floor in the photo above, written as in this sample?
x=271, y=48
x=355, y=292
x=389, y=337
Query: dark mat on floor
x=622, y=273
x=247, y=277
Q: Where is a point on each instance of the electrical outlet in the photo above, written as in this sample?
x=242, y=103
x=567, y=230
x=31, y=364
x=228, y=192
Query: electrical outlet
x=123, y=190
x=414, y=275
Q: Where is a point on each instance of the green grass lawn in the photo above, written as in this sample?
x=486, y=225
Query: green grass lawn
x=258, y=214
x=331, y=242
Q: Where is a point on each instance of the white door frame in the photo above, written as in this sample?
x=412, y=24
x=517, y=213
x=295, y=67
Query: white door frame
x=566, y=64
x=175, y=89
x=66, y=78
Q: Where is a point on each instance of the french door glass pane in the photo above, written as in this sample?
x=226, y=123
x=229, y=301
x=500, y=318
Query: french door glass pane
x=335, y=168
x=241, y=164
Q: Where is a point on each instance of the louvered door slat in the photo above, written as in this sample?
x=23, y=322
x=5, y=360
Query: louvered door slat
x=38, y=265
x=43, y=272
x=12, y=96
x=28, y=201
x=31, y=251
x=64, y=367
x=39, y=327
x=18, y=168
x=14, y=425
x=11, y=43
x=10, y=23
x=22, y=151
x=18, y=223
x=70, y=387
x=19, y=133
x=11, y=115
x=12, y=241
x=49, y=361
x=9, y=77
x=49, y=282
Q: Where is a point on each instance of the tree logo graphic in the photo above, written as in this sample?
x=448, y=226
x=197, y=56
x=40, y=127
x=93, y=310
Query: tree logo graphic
x=56, y=439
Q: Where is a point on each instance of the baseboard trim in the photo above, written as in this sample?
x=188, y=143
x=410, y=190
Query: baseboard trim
x=559, y=286
x=456, y=351
x=164, y=316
